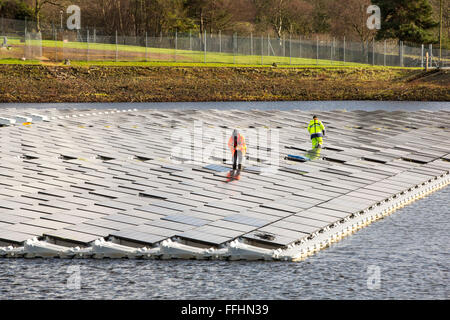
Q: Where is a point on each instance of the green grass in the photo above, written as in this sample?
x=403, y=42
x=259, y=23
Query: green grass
x=170, y=57
x=18, y=61
x=191, y=64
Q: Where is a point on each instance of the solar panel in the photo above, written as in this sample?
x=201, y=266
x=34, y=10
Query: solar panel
x=71, y=236
x=220, y=231
x=136, y=236
x=170, y=225
x=46, y=224
x=267, y=238
x=28, y=229
x=9, y=218
x=13, y=236
x=186, y=220
x=109, y=224
x=126, y=219
x=242, y=219
x=205, y=238
x=295, y=227
x=90, y=229
x=217, y=168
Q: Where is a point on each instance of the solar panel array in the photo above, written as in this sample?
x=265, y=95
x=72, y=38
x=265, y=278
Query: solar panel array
x=83, y=175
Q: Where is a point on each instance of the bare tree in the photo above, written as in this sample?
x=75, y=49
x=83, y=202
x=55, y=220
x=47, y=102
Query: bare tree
x=39, y=5
x=283, y=15
x=349, y=18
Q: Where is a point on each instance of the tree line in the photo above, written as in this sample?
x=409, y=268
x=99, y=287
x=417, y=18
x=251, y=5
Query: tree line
x=406, y=20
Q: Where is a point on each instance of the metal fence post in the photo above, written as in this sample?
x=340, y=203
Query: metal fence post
x=384, y=53
x=262, y=50
x=146, y=46
x=234, y=48
x=220, y=41
x=251, y=44
x=368, y=52
x=56, y=44
x=421, y=56
x=431, y=55
x=176, y=44
x=204, y=44
x=403, y=54
x=317, y=50
x=87, y=39
x=344, y=50
x=117, y=47
x=331, y=48
x=373, y=51
x=63, y=51
x=290, y=49
x=300, y=47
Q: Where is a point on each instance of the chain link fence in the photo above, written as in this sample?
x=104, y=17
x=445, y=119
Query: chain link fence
x=20, y=40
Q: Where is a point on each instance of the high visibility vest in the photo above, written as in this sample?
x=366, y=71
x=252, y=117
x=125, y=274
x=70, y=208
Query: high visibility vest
x=316, y=129
x=240, y=144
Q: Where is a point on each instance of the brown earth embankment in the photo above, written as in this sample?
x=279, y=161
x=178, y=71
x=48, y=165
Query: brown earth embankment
x=41, y=83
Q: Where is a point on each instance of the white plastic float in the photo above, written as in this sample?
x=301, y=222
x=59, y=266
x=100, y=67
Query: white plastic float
x=37, y=117
x=23, y=119
x=7, y=122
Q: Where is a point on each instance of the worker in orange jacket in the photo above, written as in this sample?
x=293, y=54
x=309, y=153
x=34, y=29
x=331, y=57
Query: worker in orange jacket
x=238, y=149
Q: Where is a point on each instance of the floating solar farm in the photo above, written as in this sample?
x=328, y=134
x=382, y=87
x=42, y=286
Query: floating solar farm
x=153, y=183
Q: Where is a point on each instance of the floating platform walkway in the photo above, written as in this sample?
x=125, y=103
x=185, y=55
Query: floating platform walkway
x=153, y=183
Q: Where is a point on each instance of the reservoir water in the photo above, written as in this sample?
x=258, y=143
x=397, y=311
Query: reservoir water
x=265, y=105
x=404, y=256
x=409, y=250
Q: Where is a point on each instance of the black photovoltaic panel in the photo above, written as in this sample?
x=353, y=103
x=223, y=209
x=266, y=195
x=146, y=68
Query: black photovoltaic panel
x=90, y=229
x=136, y=236
x=186, y=220
x=242, y=219
x=72, y=236
x=13, y=236
x=154, y=230
x=295, y=226
x=170, y=225
x=332, y=190
x=233, y=225
x=27, y=229
x=275, y=240
x=205, y=238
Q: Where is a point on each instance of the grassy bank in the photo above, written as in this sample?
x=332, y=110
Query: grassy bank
x=156, y=83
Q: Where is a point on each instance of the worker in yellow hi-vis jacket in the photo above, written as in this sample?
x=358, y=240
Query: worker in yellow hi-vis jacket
x=317, y=131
